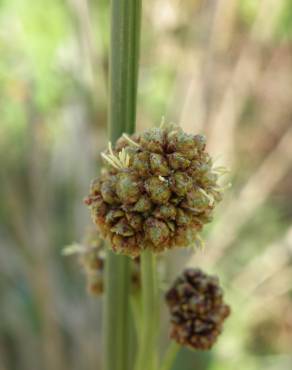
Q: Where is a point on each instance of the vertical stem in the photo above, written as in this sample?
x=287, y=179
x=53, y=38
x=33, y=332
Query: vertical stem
x=123, y=76
x=170, y=356
x=147, y=354
x=116, y=306
x=124, y=57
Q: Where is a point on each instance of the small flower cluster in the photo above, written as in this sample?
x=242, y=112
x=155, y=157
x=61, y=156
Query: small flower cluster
x=156, y=191
x=91, y=254
x=197, y=309
x=91, y=258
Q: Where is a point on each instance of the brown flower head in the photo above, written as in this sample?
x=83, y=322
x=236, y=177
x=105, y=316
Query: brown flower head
x=156, y=190
x=197, y=309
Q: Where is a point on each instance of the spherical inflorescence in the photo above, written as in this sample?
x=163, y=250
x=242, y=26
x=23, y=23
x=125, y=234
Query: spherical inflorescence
x=197, y=309
x=156, y=191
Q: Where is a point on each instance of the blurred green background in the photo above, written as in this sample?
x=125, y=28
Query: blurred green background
x=221, y=67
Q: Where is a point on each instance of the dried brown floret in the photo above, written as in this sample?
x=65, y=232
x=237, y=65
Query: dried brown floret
x=197, y=309
x=91, y=253
x=156, y=191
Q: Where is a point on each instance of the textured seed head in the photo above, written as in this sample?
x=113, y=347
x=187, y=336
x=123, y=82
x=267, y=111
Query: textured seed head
x=144, y=204
x=177, y=161
x=156, y=231
x=181, y=183
x=95, y=186
x=183, y=217
x=184, y=144
x=153, y=140
x=123, y=228
x=165, y=212
x=156, y=191
x=200, y=141
x=159, y=165
x=135, y=220
x=113, y=215
x=141, y=163
x=127, y=187
x=196, y=201
x=108, y=188
x=197, y=309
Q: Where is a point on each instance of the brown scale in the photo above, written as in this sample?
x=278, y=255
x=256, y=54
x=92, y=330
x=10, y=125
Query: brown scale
x=156, y=190
x=197, y=309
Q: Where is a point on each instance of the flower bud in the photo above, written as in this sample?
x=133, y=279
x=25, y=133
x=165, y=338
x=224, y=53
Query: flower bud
x=180, y=183
x=159, y=165
x=123, y=228
x=183, y=143
x=141, y=164
x=178, y=162
x=156, y=231
x=197, y=309
x=127, y=187
x=135, y=221
x=165, y=211
x=107, y=190
x=158, y=190
x=144, y=204
x=153, y=140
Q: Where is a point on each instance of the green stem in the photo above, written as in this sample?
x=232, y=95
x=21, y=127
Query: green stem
x=170, y=356
x=123, y=75
x=124, y=57
x=147, y=354
x=116, y=305
x=136, y=314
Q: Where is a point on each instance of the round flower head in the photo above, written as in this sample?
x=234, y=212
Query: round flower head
x=156, y=190
x=197, y=309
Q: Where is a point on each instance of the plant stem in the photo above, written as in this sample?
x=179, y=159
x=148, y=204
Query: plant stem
x=124, y=57
x=116, y=307
x=147, y=355
x=170, y=356
x=123, y=75
x=136, y=314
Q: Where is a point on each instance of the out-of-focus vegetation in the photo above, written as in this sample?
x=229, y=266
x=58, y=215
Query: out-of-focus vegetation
x=220, y=67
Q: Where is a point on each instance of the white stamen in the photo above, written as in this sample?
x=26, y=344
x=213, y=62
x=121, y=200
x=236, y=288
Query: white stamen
x=130, y=140
x=211, y=199
x=110, y=161
x=161, y=178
